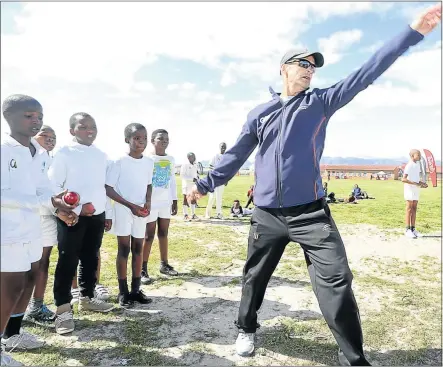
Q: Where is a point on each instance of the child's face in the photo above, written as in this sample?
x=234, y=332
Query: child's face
x=416, y=156
x=27, y=120
x=47, y=139
x=138, y=141
x=160, y=142
x=236, y=204
x=191, y=158
x=85, y=130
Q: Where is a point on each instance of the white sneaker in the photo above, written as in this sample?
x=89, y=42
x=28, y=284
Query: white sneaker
x=410, y=234
x=219, y=216
x=101, y=292
x=22, y=341
x=75, y=293
x=245, y=344
x=94, y=304
x=417, y=233
x=7, y=360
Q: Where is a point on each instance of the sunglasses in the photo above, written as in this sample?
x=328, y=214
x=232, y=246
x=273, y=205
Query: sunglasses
x=305, y=64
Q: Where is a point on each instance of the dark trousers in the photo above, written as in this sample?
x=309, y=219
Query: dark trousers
x=311, y=226
x=80, y=243
x=250, y=201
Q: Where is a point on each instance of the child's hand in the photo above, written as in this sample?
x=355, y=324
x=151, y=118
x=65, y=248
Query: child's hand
x=108, y=224
x=174, y=208
x=137, y=210
x=88, y=210
x=59, y=203
x=70, y=218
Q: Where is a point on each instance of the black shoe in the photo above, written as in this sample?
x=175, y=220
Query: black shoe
x=145, y=279
x=168, y=270
x=124, y=300
x=140, y=297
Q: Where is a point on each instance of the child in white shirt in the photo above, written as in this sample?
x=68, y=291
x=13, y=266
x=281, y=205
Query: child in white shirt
x=218, y=191
x=22, y=196
x=129, y=184
x=44, y=142
x=412, y=184
x=80, y=167
x=188, y=174
x=163, y=204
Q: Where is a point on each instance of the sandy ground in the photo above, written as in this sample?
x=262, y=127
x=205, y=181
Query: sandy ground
x=203, y=310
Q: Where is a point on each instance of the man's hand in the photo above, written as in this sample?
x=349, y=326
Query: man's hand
x=193, y=195
x=423, y=185
x=108, y=224
x=88, y=210
x=70, y=218
x=174, y=208
x=428, y=20
x=57, y=202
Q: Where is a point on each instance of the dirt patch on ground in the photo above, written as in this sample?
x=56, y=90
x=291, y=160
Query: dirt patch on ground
x=192, y=322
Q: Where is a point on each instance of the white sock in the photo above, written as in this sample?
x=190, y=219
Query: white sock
x=185, y=209
x=193, y=209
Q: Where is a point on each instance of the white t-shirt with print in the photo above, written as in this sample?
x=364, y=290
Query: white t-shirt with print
x=130, y=178
x=164, y=188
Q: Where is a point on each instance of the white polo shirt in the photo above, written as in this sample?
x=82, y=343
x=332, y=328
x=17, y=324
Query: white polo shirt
x=130, y=178
x=215, y=160
x=82, y=169
x=413, y=171
x=21, y=194
x=188, y=172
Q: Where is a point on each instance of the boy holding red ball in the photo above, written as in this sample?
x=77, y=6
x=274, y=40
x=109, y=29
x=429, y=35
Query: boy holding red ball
x=81, y=168
x=129, y=184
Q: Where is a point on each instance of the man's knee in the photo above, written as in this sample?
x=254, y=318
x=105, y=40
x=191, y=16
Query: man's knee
x=149, y=238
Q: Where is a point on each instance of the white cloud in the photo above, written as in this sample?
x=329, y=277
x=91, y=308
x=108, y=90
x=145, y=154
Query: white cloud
x=333, y=48
x=110, y=42
x=84, y=57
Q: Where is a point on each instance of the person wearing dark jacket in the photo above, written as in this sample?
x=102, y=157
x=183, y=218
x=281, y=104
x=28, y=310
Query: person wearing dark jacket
x=289, y=133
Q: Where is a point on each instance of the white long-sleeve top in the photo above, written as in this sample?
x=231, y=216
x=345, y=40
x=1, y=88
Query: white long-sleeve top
x=164, y=187
x=82, y=169
x=40, y=166
x=22, y=193
x=188, y=172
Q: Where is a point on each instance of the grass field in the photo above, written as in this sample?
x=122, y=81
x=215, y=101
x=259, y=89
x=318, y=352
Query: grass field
x=397, y=284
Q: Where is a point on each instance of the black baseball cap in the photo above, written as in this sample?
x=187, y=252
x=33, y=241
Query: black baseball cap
x=298, y=53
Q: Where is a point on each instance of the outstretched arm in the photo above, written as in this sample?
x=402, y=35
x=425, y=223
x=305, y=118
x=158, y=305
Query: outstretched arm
x=344, y=91
x=232, y=160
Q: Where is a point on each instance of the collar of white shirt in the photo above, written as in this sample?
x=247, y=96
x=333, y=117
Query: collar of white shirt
x=8, y=139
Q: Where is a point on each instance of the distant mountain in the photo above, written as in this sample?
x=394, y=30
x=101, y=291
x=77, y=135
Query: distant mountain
x=247, y=164
x=352, y=161
x=367, y=161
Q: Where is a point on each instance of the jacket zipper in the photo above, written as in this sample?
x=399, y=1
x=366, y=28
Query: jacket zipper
x=279, y=181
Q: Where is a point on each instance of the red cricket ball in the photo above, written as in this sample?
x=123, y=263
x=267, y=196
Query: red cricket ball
x=71, y=198
x=88, y=207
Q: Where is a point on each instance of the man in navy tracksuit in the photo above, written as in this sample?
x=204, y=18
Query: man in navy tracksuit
x=290, y=206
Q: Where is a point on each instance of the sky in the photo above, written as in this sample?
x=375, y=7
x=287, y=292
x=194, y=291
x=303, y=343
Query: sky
x=197, y=69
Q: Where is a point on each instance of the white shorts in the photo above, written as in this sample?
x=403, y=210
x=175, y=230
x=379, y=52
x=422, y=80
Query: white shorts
x=127, y=224
x=164, y=213
x=186, y=189
x=18, y=258
x=412, y=193
x=49, y=230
